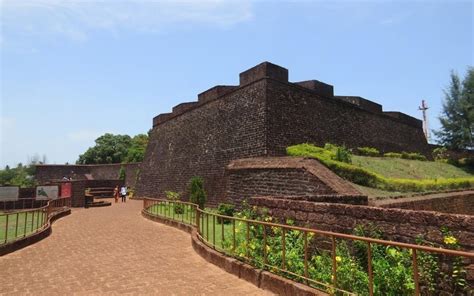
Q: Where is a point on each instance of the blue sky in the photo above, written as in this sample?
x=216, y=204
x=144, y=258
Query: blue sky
x=73, y=70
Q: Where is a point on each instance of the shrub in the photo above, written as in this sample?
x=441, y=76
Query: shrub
x=413, y=156
x=368, y=151
x=365, y=177
x=173, y=197
x=197, y=193
x=468, y=162
x=406, y=155
x=122, y=174
x=392, y=154
x=225, y=210
x=440, y=153
x=343, y=155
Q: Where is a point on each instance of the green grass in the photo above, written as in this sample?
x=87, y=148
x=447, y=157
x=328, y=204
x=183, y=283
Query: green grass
x=168, y=210
x=381, y=175
x=409, y=169
x=17, y=227
x=211, y=230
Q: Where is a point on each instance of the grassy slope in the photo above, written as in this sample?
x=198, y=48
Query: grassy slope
x=409, y=169
x=406, y=169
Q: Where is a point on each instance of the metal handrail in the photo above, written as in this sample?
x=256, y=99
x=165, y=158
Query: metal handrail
x=43, y=215
x=148, y=202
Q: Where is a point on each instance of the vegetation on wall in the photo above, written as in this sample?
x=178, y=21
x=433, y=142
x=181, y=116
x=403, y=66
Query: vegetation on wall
x=363, y=176
x=110, y=148
x=457, y=118
x=197, y=193
x=122, y=173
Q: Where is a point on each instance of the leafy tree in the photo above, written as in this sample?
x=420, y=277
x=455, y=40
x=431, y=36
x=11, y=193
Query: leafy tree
x=457, y=119
x=22, y=176
x=108, y=148
x=136, y=152
x=197, y=193
x=111, y=148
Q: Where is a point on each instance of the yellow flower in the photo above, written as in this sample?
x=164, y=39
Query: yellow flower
x=236, y=230
x=268, y=248
x=338, y=259
x=450, y=240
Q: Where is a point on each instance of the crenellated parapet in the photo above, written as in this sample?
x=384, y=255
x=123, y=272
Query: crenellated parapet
x=274, y=72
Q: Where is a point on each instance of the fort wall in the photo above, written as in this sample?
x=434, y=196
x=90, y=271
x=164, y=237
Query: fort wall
x=396, y=224
x=202, y=140
x=261, y=117
x=52, y=172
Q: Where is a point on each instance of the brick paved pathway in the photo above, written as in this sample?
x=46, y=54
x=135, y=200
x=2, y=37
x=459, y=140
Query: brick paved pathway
x=115, y=250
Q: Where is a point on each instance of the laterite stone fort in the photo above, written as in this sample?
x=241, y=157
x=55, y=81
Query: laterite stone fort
x=260, y=117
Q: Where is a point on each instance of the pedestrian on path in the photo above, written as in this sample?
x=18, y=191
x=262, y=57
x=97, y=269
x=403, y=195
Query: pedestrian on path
x=123, y=193
x=116, y=193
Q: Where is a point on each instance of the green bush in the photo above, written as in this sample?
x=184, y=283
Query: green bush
x=175, y=196
x=225, y=210
x=406, y=155
x=343, y=155
x=368, y=151
x=440, y=153
x=365, y=177
x=392, y=266
x=122, y=174
x=413, y=156
x=392, y=154
x=197, y=193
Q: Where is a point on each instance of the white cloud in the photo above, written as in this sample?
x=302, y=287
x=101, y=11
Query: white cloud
x=75, y=19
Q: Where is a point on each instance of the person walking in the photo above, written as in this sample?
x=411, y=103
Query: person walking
x=116, y=193
x=123, y=193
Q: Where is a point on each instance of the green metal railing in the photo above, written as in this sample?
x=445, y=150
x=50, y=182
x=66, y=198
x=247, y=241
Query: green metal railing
x=19, y=223
x=254, y=242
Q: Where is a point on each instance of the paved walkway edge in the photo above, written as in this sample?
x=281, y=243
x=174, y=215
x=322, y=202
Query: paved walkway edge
x=35, y=237
x=260, y=278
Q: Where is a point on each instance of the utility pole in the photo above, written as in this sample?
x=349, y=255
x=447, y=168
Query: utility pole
x=423, y=108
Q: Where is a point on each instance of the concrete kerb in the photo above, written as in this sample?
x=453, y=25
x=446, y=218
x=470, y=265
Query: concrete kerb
x=35, y=237
x=260, y=278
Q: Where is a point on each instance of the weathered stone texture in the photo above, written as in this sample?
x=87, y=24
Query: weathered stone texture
x=53, y=172
x=455, y=203
x=287, y=177
x=261, y=117
x=295, y=115
x=396, y=224
x=202, y=141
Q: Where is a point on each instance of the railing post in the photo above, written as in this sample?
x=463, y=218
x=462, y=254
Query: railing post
x=16, y=226
x=334, y=261
x=283, y=249
x=306, y=256
x=415, y=272
x=265, y=260
x=197, y=220
x=6, y=229
x=33, y=221
x=248, y=241
x=24, y=225
x=369, y=265
x=233, y=236
x=214, y=231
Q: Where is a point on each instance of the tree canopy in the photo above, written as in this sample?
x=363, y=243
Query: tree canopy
x=457, y=117
x=22, y=175
x=110, y=148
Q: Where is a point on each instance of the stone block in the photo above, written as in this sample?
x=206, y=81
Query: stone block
x=264, y=70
